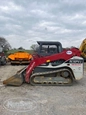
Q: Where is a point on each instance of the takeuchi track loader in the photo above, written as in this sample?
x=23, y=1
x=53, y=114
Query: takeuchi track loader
x=51, y=66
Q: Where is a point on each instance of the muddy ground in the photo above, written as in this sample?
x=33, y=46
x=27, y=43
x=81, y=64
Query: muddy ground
x=41, y=100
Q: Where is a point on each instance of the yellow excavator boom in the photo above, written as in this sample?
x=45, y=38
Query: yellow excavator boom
x=83, y=48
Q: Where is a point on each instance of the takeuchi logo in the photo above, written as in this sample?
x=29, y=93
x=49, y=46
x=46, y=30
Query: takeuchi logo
x=69, y=52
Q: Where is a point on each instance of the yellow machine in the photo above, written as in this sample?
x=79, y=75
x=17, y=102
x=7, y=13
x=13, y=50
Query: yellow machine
x=20, y=57
x=83, y=49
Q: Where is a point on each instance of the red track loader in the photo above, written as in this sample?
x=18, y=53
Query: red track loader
x=51, y=66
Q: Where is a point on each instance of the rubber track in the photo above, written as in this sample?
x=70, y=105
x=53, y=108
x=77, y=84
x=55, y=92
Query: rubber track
x=50, y=72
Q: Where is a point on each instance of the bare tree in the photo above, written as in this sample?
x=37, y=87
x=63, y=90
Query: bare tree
x=4, y=43
x=21, y=48
x=34, y=47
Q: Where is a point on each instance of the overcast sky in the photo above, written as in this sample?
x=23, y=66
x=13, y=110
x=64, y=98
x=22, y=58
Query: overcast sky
x=23, y=22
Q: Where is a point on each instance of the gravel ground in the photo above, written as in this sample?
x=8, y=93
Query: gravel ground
x=41, y=100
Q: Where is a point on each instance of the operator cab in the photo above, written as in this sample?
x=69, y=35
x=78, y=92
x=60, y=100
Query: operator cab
x=48, y=48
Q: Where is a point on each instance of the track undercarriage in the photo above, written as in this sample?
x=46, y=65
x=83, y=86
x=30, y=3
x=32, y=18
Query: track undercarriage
x=55, y=77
